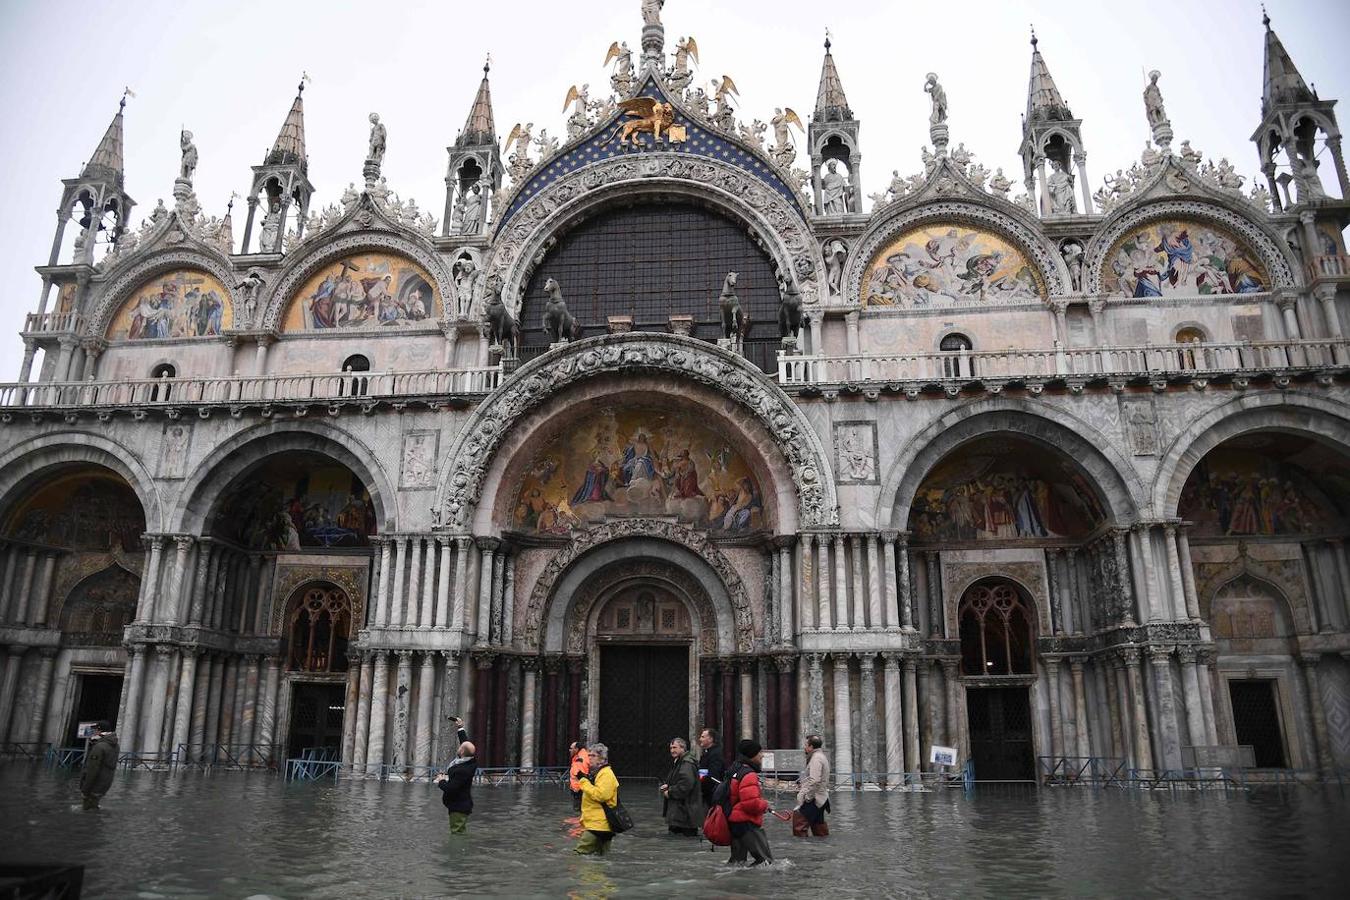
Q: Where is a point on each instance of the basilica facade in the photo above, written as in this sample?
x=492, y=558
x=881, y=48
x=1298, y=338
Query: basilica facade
x=661, y=424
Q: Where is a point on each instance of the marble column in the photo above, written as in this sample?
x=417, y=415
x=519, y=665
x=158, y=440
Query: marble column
x=379, y=693
x=9, y=685
x=442, y=618
x=528, y=740
x=806, y=606
x=1056, y=591
x=145, y=606
x=1129, y=600
x=249, y=721
x=935, y=617
x=269, y=695
x=858, y=547
x=1205, y=673
x=426, y=616
x=890, y=614
x=867, y=717
x=200, y=694
x=462, y=546
x=840, y=583
x=171, y=608
x=450, y=703
x=747, y=718
x=398, y=602
x=950, y=671
x=24, y=589
x=913, y=761
x=206, y=554
x=483, y=625
x=1322, y=756
x=1170, y=751
x=412, y=617
x=1190, y=682
x=1143, y=744
x=875, y=588
x=785, y=633
x=215, y=688
x=1188, y=575
x=1175, y=578
x=361, y=734
x=508, y=598
x=1118, y=703
x=895, y=750
x=382, y=591
x=11, y=563
x=1051, y=665
x=183, y=715
x=825, y=616
x=905, y=585
x=1082, y=744
x=924, y=709
x=42, y=692
x=843, y=727
x=426, y=690
x=158, y=697
x=815, y=714
x=399, y=751
x=42, y=593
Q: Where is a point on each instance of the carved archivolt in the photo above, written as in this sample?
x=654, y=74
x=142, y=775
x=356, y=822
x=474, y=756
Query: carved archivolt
x=330, y=249
x=1286, y=576
x=620, y=529
x=157, y=262
x=352, y=580
x=749, y=198
x=666, y=354
x=597, y=590
x=1029, y=576
x=1094, y=259
x=891, y=224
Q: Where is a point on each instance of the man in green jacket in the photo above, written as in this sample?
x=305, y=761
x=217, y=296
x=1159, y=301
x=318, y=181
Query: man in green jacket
x=683, y=801
x=99, y=765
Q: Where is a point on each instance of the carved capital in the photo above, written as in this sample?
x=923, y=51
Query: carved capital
x=1159, y=654
x=1130, y=657
x=1188, y=654
x=867, y=663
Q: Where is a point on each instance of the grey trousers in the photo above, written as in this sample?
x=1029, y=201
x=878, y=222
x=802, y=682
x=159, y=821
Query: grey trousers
x=752, y=843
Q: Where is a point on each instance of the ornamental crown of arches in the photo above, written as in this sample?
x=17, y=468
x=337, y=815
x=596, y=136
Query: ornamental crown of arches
x=952, y=234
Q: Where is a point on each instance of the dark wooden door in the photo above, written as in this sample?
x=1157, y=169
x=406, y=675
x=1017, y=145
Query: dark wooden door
x=644, y=702
x=316, y=718
x=1256, y=719
x=1000, y=733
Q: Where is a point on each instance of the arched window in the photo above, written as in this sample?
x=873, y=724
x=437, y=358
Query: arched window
x=958, y=364
x=995, y=631
x=320, y=622
x=162, y=374
x=1190, y=358
x=354, y=385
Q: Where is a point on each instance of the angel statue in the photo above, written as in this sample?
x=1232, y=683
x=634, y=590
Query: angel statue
x=723, y=90
x=679, y=74
x=622, y=57
x=651, y=11
x=580, y=119
x=939, y=97
x=784, y=151
x=519, y=162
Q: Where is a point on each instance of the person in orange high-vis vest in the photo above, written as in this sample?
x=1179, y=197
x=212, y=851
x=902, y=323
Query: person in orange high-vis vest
x=581, y=765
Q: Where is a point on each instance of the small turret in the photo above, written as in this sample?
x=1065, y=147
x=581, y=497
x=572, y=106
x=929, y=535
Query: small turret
x=1052, y=136
x=833, y=138
x=281, y=181
x=474, y=175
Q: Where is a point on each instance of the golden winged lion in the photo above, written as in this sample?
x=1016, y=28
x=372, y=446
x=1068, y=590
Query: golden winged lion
x=649, y=116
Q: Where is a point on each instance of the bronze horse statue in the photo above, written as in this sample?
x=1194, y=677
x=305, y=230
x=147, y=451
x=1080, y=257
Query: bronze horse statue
x=735, y=321
x=559, y=324
x=790, y=316
x=503, y=329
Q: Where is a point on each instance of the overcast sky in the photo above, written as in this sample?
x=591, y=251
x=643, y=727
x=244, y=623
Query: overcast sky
x=228, y=71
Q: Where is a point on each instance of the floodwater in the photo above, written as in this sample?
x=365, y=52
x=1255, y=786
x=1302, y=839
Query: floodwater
x=240, y=835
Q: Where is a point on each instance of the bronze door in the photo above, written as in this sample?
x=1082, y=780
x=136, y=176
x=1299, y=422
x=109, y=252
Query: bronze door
x=1000, y=733
x=644, y=702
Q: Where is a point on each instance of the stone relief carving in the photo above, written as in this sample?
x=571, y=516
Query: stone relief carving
x=641, y=351
x=419, y=459
x=579, y=615
x=1141, y=421
x=173, y=453
x=619, y=529
x=855, y=445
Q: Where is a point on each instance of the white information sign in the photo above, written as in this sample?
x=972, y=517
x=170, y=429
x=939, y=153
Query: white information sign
x=87, y=730
x=766, y=762
x=943, y=756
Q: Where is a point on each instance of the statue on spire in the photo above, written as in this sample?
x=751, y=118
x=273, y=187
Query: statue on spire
x=378, y=139
x=189, y=161
x=651, y=11
x=1157, y=115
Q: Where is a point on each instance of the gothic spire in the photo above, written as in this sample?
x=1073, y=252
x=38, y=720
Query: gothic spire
x=479, y=127
x=107, y=159
x=831, y=104
x=1043, y=98
x=1283, y=83
x=289, y=147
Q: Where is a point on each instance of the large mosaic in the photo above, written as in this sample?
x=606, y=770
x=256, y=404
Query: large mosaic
x=297, y=501
x=1181, y=257
x=636, y=461
x=180, y=304
x=368, y=290
x=1002, y=489
x=80, y=511
x=1261, y=485
x=942, y=265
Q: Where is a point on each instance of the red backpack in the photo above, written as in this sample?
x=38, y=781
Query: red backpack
x=717, y=823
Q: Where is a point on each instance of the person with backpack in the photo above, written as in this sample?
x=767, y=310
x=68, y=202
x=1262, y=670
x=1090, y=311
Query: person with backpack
x=748, y=807
x=599, y=788
x=456, y=782
x=813, y=792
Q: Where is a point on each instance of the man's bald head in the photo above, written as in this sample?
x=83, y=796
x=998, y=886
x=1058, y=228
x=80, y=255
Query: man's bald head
x=467, y=749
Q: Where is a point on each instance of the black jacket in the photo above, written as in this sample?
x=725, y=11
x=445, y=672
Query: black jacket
x=457, y=788
x=711, y=759
x=99, y=765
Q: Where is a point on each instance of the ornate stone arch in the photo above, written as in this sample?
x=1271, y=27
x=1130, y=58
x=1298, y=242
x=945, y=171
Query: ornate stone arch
x=212, y=475
x=331, y=248
x=1281, y=580
x=1326, y=420
x=1009, y=223
x=545, y=617
x=134, y=272
x=754, y=396
x=25, y=462
x=351, y=579
x=1123, y=491
x=1284, y=271
x=602, y=585
x=785, y=234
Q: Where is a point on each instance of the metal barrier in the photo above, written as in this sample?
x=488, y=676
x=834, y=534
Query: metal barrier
x=149, y=762
x=229, y=757
x=65, y=757
x=29, y=751
x=1094, y=771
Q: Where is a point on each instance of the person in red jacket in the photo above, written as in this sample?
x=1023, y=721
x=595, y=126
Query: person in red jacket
x=748, y=807
x=579, y=767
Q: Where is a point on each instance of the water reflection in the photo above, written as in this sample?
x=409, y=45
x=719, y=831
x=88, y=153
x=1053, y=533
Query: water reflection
x=232, y=835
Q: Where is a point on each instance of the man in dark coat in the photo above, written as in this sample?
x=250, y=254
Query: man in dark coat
x=712, y=768
x=683, y=806
x=456, y=783
x=100, y=763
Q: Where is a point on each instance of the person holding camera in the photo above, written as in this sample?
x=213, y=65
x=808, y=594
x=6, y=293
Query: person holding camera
x=456, y=782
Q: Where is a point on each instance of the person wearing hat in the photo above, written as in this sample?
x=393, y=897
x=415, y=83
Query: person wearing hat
x=100, y=764
x=748, y=807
